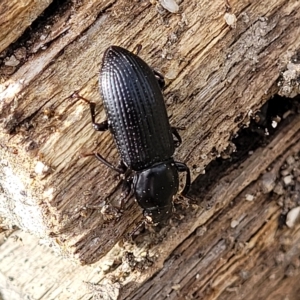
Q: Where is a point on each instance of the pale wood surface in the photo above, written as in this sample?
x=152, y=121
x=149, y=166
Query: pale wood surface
x=217, y=77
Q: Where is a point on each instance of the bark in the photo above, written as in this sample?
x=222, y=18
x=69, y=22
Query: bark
x=217, y=78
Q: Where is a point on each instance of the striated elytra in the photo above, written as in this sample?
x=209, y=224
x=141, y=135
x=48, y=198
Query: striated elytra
x=138, y=120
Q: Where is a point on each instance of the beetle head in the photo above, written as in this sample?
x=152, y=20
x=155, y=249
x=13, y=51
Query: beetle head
x=154, y=189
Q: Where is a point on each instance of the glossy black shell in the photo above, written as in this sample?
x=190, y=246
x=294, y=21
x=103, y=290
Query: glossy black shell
x=135, y=109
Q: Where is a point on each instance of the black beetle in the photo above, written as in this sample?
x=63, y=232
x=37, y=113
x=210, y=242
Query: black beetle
x=138, y=120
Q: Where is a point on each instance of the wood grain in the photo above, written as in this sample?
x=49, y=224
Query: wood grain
x=217, y=78
x=16, y=16
x=257, y=258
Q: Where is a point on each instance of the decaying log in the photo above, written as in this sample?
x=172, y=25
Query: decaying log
x=15, y=17
x=217, y=76
x=237, y=248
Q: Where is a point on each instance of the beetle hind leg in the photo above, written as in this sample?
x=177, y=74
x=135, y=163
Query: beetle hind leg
x=160, y=79
x=103, y=126
x=178, y=140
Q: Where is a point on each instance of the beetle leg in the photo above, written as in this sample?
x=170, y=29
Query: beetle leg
x=126, y=191
x=181, y=167
x=98, y=127
x=137, y=49
x=104, y=161
x=160, y=79
x=136, y=229
x=178, y=140
x=103, y=126
x=122, y=166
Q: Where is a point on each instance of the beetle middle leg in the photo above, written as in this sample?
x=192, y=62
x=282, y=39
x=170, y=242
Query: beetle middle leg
x=122, y=166
x=181, y=167
x=104, y=161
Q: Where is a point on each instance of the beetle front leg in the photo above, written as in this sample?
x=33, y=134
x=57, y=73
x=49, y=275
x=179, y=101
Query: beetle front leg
x=140, y=224
x=125, y=195
x=181, y=167
x=126, y=191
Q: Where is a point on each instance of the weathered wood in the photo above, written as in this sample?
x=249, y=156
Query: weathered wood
x=30, y=270
x=237, y=244
x=16, y=16
x=237, y=249
x=217, y=77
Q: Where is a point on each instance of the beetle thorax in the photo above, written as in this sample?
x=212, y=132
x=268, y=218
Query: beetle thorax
x=154, y=189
